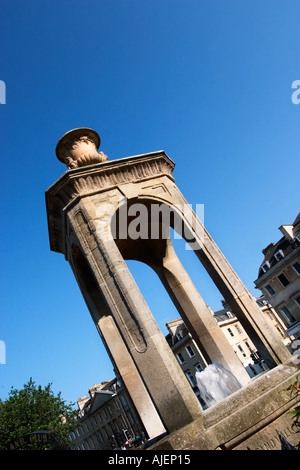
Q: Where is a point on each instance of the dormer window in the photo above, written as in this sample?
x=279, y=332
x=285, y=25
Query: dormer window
x=229, y=314
x=279, y=255
x=298, y=238
x=265, y=267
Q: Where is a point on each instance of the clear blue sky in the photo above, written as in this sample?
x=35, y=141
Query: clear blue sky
x=207, y=81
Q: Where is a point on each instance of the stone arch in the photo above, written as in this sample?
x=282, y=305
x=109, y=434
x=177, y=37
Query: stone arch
x=159, y=254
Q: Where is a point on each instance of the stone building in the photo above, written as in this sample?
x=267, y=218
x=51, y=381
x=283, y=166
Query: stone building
x=186, y=352
x=107, y=419
x=189, y=356
x=279, y=277
x=276, y=320
x=239, y=340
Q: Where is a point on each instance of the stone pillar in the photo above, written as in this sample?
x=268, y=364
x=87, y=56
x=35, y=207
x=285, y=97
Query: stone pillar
x=130, y=376
x=242, y=303
x=198, y=317
x=110, y=287
x=230, y=286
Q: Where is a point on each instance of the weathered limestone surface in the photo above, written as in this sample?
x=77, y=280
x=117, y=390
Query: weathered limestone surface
x=247, y=419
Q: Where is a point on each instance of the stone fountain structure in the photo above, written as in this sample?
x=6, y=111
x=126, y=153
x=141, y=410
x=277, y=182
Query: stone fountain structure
x=102, y=213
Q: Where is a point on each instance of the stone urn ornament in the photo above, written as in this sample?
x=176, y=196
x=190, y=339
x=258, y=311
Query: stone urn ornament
x=79, y=147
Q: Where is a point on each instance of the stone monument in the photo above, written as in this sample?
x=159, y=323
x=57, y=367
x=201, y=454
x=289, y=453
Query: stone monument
x=102, y=213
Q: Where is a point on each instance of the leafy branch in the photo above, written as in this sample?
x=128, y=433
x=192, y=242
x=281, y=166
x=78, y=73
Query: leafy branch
x=295, y=391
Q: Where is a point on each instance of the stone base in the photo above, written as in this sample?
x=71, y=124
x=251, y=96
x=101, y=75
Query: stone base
x=247, y=419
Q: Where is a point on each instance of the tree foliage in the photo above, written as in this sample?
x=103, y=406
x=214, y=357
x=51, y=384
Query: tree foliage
x=295, y=391
x=32, y=409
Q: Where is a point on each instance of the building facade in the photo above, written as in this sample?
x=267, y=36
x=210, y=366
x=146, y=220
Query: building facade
x=186, y=352
x=276, y=320
x=107, y=419
x=239, y=341
x=279, y=277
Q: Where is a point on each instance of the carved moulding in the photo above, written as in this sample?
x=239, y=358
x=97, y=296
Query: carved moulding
x=85, y=181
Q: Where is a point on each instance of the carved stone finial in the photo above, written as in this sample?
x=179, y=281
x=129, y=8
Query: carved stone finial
x=79, y=147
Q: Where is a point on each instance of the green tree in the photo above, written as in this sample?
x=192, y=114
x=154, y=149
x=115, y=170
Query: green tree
x=32, y=409
x=295, y=391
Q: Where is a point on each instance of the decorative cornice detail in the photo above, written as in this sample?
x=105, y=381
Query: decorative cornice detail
x=85, y=181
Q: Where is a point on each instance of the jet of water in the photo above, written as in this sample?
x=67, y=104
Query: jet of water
x=216, y=383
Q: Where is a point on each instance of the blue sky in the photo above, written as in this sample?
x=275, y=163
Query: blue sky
x=207, y=81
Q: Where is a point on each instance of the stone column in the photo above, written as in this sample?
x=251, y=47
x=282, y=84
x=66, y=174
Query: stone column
x=197, y=316
x=232, y=289
x=130, y=376
x=151, y=356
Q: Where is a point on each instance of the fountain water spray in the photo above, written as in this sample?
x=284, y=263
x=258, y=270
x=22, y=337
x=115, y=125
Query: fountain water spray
x=216, y=383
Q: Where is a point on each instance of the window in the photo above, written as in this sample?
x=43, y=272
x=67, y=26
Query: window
x=271, y=316
x=297, y=300
x=296, y=267
x=238, y=328
x=230, y=314
x=279, y=255
x=266, y=266
x=242, y=351
x=280, y=330
x=180, y=358
x=123, y=400
x=191, y=378
x=270, y=289
x=287, y=315
x=283, y=279
x=230, y=331
x=130, y=417
x=198, y=367
x=190, y=351
x=91, y=442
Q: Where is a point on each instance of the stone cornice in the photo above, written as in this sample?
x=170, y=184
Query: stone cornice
x=277, y=268
x=85, y=181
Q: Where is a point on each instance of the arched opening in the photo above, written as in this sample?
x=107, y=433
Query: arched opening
x=141, y=228
x=146, y=236
x=134, y=237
